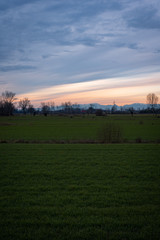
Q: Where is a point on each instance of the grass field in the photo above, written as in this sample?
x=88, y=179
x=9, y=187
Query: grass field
x=55, y=128
x=79, y=191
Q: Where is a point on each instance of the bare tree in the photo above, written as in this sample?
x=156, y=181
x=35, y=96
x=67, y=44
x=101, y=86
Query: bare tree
x=24, y=104
x=91, y=109
x=114, y=108
x=45, y=108
x=31, y=109
x=7, y=103
x=67, y=107
x=76, y=108
x=131, y=110
x=152, y=101
x=8, y=96
x=51, y=104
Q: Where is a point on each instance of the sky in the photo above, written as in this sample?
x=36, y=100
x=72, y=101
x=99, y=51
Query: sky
x=86, y=51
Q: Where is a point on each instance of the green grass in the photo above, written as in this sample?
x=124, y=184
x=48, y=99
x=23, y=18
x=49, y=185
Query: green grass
x=78, y=192
x=67, y=191
x=55, y=128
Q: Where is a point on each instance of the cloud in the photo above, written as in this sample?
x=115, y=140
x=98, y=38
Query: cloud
x=49, y=43
x=146, y=18
x=16, y=68
x=2, y=82
x=96, y=86
x=5, y=5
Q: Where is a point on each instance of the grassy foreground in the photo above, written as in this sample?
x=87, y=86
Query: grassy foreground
x=80, y=192
x=78, y=128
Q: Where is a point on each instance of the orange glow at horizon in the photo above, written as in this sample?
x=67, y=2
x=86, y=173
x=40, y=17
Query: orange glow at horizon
x=105, y=91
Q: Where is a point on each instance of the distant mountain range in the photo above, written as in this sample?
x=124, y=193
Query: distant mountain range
x=135, y=106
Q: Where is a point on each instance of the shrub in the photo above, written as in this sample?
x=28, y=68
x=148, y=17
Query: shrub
x=110, y=133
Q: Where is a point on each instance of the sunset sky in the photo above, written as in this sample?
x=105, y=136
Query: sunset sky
x=86, y=51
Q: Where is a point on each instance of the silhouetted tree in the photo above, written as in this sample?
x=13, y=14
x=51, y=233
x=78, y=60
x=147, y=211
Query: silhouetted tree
x=51, y=105
x=45, y=108
x=131, y=110
x=24, y=104
x=114, y=108
x=152, y=101
x=7, y=103
x=76, y=108
x=91, y=109
x=67, y=107
x=31, y=109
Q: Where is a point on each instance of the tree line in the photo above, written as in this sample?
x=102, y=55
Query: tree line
x=9, y=106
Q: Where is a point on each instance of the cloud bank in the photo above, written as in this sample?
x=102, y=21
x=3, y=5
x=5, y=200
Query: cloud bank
x=53, y=44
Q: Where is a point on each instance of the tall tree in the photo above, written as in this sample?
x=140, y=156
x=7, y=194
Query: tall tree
x=31, y=109
x=7, y=103
x=152, y=101
x=45, y=108
x=24, y=104
x=114, y=108
x=67, y=107
x=51, y=105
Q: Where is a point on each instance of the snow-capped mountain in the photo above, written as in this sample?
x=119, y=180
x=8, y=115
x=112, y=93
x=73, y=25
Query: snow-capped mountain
x=136, y=106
